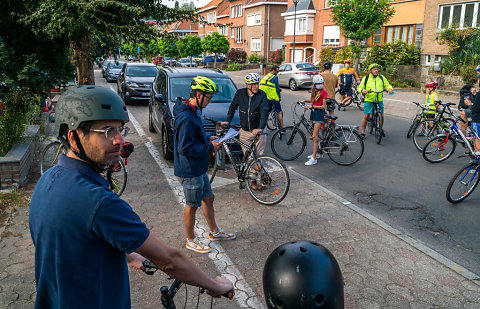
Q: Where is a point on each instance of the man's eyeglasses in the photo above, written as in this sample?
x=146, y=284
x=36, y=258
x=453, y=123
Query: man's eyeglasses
x=111, y=132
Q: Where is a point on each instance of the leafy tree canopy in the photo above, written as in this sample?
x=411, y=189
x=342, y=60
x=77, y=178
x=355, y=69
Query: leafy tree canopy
x=358, y=19
x=216, y=43
x=168, y=46
x=190, y=45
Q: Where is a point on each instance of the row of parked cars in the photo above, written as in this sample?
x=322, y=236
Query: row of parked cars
x=159, y=86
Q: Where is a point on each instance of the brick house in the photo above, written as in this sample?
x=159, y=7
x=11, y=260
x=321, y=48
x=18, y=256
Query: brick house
x=247, y=24
x=405, y=25
x=182, y=28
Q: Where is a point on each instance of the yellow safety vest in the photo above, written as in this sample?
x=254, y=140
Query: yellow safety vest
x=430, y=103
x=269, y=88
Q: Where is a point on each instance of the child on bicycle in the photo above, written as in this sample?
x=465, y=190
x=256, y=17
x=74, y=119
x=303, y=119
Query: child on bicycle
x=318, y=100
x=432, y=100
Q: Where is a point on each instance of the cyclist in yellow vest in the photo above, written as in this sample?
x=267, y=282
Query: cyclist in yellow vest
x=431, y=103
x=269, y=84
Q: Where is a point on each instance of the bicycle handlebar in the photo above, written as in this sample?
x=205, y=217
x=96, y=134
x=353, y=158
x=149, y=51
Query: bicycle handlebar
x=151, y=268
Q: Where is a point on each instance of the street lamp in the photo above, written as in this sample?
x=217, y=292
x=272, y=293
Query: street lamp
x=295, y=2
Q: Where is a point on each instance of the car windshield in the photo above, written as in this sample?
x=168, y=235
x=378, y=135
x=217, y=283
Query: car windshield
x=306, y=67
x=142, y=71
x=114, y=65
x=181, y=88
x=185, y=60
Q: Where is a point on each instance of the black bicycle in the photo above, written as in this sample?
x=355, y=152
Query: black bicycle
x=375, y=121
x=421, y=113
x=357, y=98
x=268, y=173
x=272, y=121
x=341, y=143
x=168, y=294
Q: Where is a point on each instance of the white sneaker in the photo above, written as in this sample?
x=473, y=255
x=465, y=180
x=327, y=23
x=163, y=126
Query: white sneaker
x=197, y=246
x=311, y=162
x=221, y=235
x=317, y=156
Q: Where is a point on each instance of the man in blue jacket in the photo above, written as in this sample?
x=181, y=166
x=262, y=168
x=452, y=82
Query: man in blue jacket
x=191, y=152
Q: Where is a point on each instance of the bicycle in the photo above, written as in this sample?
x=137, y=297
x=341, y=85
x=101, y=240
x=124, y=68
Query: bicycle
x=375, y=121
x=266, y=171
x=421, y=113
x=464, y=182
x=116, y=175
x=341, y=143
x=429, y=128
x=441, y=147
x=168, y=294
x=357, y=98
x=272, y=122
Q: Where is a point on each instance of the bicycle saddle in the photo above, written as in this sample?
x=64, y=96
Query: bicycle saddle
x=331, y=117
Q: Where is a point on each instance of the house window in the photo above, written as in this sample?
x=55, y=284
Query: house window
x=223, y=30
x=377, y=37
x=460, y=15
x=237, y=34
x=256, y=45
x=254, y=19
x=401, y=33
x=236, y=11
x=428, y=60
x=331, y=35
x=302, y=25
x=212, y=17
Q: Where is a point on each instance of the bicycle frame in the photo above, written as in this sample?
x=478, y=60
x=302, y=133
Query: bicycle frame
x=240, y=168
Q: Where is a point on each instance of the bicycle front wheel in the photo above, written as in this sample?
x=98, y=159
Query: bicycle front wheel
x=271, y=178
x=344, y=146
x=378, y=127
x=288, y=143
x=272, y=121
x=463, y=183
x=117, y=177
x=439, y=149
x=412, y=127
x=50, y=155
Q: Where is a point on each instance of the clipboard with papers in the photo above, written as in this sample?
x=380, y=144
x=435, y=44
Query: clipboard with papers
x=230, y=133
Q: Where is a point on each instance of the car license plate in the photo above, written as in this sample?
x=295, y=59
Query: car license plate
x=145, y=94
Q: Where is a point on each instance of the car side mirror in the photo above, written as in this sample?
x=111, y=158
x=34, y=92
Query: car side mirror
x=158, y=97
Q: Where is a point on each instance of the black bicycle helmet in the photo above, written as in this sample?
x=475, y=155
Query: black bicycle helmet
x=327, y=65
x=301, y=275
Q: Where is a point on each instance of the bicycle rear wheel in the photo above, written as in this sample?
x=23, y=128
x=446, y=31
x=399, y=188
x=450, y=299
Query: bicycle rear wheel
x=117, y=177
x=271, y=174
x=427, y=130
x=412, y=127
x=288, y=143
x=439, y=149
x=50, y=155
x=463, y=183
x=378, y=127
x=344, y=146
x=272, y=121
x=359, y=103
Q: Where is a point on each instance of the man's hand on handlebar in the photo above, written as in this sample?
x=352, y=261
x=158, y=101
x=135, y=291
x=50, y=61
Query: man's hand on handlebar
x=225, y=123
x=364, y=91
x=216, y=145
x=136, y=261
x=390, y=91
x=256, y=131
x=223, y=285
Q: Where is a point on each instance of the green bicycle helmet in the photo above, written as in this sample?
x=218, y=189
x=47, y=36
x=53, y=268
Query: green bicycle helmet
x=87, y=103
x=204, y=84
x=373, y=65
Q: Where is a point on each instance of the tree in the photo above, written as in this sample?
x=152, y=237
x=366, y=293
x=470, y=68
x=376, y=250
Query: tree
x=359, y=19
x=168, y=47
x=110, y=22
x=216, y=43
x=177, y=5
x=190, y=46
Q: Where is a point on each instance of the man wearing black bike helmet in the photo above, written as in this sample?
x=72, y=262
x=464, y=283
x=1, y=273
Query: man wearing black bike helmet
x=83, y=233
x=302, y=275
x=330, y=83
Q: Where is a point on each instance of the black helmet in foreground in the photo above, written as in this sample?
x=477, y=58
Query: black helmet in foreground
x=302, y=274
x=87, y=103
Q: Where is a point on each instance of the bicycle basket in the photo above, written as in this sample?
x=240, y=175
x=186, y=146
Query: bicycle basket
x=127, y=150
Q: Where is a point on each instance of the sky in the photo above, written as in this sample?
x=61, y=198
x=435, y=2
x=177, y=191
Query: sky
x=198, y=3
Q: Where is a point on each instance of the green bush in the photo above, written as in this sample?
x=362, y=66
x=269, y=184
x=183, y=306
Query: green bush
x=464, y=50
x=326, y=54
x=16, y=112
x=233, y=67
x=256, y=59
x=469, y=74
x=343, y=54
x=397, y=53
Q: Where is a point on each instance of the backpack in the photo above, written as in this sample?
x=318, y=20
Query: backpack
x=379, y=75
x=346, y=79
x=465, y=94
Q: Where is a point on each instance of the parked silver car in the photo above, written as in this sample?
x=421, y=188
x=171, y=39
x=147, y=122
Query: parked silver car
x=297, y=75
x=185, y=62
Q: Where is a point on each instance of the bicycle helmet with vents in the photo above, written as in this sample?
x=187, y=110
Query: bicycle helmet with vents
x=302, y=274
x=373, y=65
x=318, y=79
x=431, y=85
x=204, y=84
x=252, y=78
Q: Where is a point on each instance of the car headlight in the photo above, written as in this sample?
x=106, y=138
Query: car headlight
x=132, y=84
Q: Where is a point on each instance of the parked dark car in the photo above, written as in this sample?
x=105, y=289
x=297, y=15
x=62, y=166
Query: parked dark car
x=135, y=81
x=104, y=66
x=171, y=83
x=112, y=71
x=208, y=59
x=185, y=62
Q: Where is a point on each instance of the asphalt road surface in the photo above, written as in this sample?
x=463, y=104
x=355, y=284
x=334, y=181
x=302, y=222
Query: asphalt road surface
x=392, y=182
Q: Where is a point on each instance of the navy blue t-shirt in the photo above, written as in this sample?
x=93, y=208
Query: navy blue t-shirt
x=81, y=231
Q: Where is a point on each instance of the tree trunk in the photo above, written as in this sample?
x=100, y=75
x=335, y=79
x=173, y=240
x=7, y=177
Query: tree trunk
x=81, y=59
x=215, y=61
